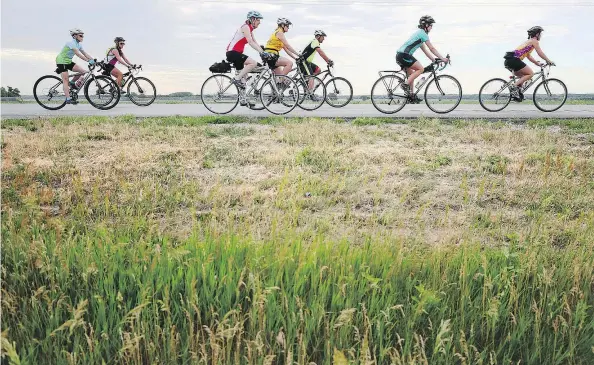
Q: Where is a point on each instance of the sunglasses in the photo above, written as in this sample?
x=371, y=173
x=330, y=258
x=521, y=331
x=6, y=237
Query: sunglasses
x=81, y=35
x=122, y=43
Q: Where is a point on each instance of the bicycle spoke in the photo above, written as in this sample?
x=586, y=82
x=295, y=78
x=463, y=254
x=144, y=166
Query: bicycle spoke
x=550, y=95
x=387, y=94
x=443, y=94
x=495, y=95
x=219, y=95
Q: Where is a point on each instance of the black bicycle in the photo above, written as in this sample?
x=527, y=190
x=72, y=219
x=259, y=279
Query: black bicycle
x=549, y=95
x=339, y=91
x=442, y=94
x=312, y=92
x=141, y=91
x=100, y=91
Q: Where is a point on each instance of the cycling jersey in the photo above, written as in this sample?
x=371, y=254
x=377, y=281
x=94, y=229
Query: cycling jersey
x=310, y=51
x=523, y=52
x=67, y=52
x=239, y=40
x=274, y=44
x=413, y=43
x=110, y=58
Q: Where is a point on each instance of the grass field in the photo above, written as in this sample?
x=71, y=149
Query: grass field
x=280, y=241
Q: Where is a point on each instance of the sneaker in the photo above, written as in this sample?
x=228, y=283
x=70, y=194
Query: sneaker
x=406, y=88
x=71, y=101
x=238, y=83
x=414, y=99
x=314, y=98
x=516, y=94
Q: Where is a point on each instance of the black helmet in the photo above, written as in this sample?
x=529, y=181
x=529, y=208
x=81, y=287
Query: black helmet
x=426, y=21
x=534, y=30
x=119, y=39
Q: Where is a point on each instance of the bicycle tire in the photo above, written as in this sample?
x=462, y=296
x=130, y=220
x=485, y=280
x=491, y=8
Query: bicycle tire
x=303, y=96
x=153, y=94
x=348, y=100
x=269, y=97
x=387, y=81
x=543, y=83
x=505, y=99
x=38, y=96
x=225, y=82
x=112, y=90
x=435, y=80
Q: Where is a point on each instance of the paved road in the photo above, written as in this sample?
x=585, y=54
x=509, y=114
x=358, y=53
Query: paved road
x=513, y=111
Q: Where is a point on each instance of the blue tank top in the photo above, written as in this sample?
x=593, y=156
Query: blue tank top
x=413, y=43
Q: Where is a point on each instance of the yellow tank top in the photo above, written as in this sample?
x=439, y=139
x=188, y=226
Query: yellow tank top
x=274, y=44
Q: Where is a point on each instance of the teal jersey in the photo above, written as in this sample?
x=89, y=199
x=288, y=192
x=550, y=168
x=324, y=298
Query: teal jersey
x=413, y=43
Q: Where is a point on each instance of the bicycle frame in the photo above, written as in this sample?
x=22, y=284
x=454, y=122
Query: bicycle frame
x=542, y=74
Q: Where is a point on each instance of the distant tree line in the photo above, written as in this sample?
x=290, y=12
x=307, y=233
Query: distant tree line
x=9, y=92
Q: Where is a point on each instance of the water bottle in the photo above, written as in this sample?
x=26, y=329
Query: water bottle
x=420, y=82
x=79, y=82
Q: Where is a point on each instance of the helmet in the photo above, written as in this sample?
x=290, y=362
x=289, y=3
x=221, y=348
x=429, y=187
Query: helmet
x=319, y=33
x=535, y=30
x=254, y=14
x=426, y=21
x=283, y=21
x=74, y=31
x=119, y=39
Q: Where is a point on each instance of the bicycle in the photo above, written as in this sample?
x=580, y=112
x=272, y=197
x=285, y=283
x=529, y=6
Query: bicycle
x=312, y=92
x=496, y=94
x=100, y=91
x=339, y=91
x=279, y=94
x=141, y=91
x=393, y=97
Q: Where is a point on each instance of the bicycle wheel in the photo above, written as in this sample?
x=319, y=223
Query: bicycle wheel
x=339, y=92
x=102, y=92
x=387, y=95
x=550, y=95
x=219, y=95
x=49, y=93
x=142, y=91
x=312, y=93
x=443, y=94
x=280, y=98
x=494, y=95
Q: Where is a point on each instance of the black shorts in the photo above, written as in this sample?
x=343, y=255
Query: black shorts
x=309, y=68
x=237, y=59
x=405, y=60
x=107, y=68
x=65, y=67
x=514, y=64
x=271, y=62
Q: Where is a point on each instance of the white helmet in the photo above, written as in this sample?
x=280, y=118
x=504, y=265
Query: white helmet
x=254, y=14
x=74, y=31
x=283, y=21
x=319, y=33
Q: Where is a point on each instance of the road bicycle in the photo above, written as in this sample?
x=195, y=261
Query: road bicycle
x=442, y=94
x=141, y=91
x=549, y=95
x=312, y=92
x=279, y=94
x=100, y=91
x=339, y=91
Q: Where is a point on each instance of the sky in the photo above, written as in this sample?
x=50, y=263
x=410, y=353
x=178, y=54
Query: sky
x=177, y=40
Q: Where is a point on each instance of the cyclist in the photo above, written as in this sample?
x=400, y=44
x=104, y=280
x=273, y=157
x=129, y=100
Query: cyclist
x=113, y=56
x=65, y=63
x=309, y=53
x=277, y=42
x=514, y=63
x=236, y=47
x=405, y=59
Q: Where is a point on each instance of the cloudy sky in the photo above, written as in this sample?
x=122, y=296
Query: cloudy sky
x=177, y=40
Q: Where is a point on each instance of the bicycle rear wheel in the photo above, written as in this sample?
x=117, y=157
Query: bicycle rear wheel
x=387, y=94
x=312, y=93
x=339, y=92
x=102, y=92
x=280, y=98
x=494, y=95
x=142, y=91
x=443, y=94
x=49, y=93
x=219, y=95
x=550, y=95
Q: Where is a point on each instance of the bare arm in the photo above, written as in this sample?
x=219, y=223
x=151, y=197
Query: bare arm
x=427, y=53
x=286, y=46
x=540, y=52
x=82, y=55
x=533, y=60
x=116, y=53
x=126, y=59
x=433, y=50
x=245, y=29
x=323, y=54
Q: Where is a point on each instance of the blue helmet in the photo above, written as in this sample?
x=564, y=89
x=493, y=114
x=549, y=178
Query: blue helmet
x=254, y=14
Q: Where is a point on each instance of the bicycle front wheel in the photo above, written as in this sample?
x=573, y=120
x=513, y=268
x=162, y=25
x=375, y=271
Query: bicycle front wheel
x=494, y=95
x=219, y=95
x=443, y=94
x=102, y=92
x=312, y=93
x=339, y=92
x=49, y=92
x=142, y=91
x=279, y=94
x=387, y=94
x=550, y=95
